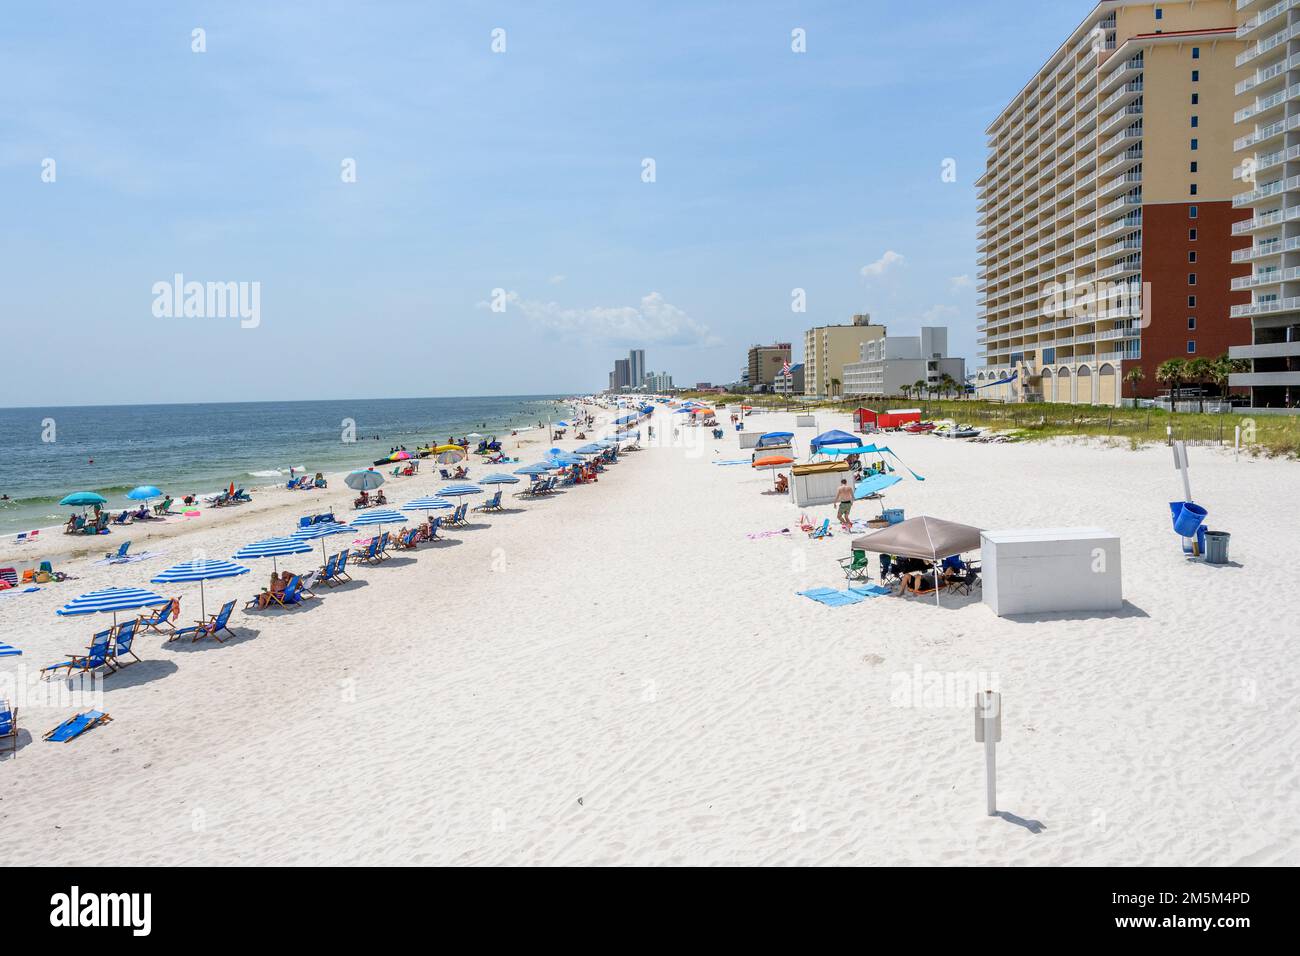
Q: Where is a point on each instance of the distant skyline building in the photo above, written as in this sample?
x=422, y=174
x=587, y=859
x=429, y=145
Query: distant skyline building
x=622, y=374
x=766, y=362
x=790, y=380
x=636, y=367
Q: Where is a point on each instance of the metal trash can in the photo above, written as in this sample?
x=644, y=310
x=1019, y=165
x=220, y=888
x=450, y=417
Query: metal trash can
x=1216, y=547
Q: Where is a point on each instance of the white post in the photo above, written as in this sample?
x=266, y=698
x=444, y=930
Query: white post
x=1236, y=445
x=988, y=731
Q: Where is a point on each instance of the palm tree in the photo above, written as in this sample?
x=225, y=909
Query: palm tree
x=919, y=387
x=1172, y=372
x=835, y=386
x=947, y=383
x=1200, y=371
x=906, y=390
x=1135, y=376
x=1224, y=366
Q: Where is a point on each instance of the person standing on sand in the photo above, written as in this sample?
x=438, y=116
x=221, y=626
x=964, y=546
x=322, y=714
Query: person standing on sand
x=844, y=501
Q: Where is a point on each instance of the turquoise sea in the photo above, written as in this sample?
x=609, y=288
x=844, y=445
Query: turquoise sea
x=46, y=453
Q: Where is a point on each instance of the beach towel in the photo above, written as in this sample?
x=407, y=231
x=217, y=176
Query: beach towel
x=733, y=461
x=129, y=558
x=870, y=590
x=11, y=592
x=831, y=597
x=74, y=727
x=756, y=535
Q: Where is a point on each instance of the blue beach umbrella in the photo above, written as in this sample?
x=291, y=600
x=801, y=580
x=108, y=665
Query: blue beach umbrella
x=144, y=493
x=378, y=516
x=364, y=480
x=202, y=569
x=83, y=499
x=540, y=468
x=428, y=503
x=458, y=490
x=592, y=449
x=272, y=548
x=112, y=600
x=322, y=530
x=626, y=419
x=499, y=479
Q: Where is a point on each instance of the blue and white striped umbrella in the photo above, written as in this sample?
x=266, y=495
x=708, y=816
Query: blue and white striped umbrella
x=592, y=449
x=379, y=516
x=322, y=530
x=540, y=468
x=428, y=503
x=203, y=569
x=458, y=490
x=112, y=600
x=563, y=461
x=499, y=479
x=272, y=548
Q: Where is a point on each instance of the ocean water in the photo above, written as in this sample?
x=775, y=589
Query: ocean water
x=46, y=454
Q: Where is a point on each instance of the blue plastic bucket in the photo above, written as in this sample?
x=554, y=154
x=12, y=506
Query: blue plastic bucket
x=1187, y=517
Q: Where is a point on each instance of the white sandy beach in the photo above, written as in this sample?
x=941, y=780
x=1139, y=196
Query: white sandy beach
x=619, y=675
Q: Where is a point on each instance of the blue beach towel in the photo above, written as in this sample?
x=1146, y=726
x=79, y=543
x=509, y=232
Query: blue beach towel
x=733, y=461
x=870, y=590
x=10, y=592
x=831, y=597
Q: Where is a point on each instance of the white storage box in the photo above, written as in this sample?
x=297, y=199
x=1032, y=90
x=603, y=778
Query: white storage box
x=1047, y=570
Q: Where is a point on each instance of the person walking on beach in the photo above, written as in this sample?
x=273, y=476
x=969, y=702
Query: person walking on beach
x=844, y=501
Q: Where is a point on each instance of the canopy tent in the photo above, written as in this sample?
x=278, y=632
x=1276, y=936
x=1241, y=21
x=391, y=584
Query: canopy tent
x=871, y=450
x=923, y=537
x=832, y=437
x=774, y=438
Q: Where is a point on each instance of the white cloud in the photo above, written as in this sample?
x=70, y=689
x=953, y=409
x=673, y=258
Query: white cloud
x=556, y=280
x=652, y=322
x=958, y=283
x=937, y=314
x=878, y=268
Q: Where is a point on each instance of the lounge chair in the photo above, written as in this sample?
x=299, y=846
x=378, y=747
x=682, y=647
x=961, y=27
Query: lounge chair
x=123, y=518
x=211, y=627
x=97, y=656
x=856, y=567
x=308, y=582
x=122, y=642
x=74, y=727
x=241, y=495
x=434, y=525
x=120, y=553
x=9, y=725
x=164, y=617
x=338, y=575
x=492, y=504
x=292, y=593
x=444, y=474
x=371, y=554
x=822, y=531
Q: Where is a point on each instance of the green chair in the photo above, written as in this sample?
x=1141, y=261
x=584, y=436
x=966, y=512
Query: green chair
x=856, y=568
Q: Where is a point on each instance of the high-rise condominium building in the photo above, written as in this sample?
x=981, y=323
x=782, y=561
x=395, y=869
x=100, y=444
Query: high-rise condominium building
x=1267, y=148
x=766, y=362
x=636, y=367
x=1106, y=215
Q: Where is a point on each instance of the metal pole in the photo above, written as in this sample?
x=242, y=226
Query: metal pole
x=991, y=765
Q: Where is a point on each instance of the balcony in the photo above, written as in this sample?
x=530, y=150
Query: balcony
x=1268, y=161
x=1268, y=350
x=1123, y=117
x=1266, y=73
x=1268, y=43
x=1265, y=16
x=1262, y=250
x=1265, y=277
x=1270, y=307
x=1265, y=190
x=1267, y=103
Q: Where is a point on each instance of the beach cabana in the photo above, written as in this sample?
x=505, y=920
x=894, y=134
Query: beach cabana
x=925, y=538
x=201, y=570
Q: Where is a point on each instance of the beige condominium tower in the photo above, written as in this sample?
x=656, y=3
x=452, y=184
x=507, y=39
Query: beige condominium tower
x=828, y=348
x=1267, y=144
x=1105, y=210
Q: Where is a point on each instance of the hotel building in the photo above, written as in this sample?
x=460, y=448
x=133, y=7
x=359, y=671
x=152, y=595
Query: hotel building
x=895, y=362
x=828, y=348
x=1105, y=211
x=1267, y=148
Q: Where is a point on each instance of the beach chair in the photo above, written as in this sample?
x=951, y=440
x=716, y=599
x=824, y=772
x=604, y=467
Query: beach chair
x=434, y=525
x=22, y=537
x=492, y=504
x=74, y=727
x=308, y=583
x=213, y=626
x=371, y=554
x=241, y=495
x=383, y=544
x=444, y=474
x=331, y=566
x=341, y=570
x=292, y=594
x=122, y=642
x=97, y=656
x=123, y=518
x=821, y=531
x=120, y=553
x=856, y=567
x=163, y=617
x=9, y=726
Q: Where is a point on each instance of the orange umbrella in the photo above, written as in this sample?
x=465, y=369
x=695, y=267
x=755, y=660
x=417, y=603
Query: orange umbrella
x=772, y=461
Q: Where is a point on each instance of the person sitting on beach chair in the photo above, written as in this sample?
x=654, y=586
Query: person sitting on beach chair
x=460, y=472
x=782, y=484
x=163, y=507
x=379, y=498
x=362, y=500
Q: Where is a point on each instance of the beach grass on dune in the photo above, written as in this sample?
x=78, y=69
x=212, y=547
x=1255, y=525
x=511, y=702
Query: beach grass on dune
x=1271, y=436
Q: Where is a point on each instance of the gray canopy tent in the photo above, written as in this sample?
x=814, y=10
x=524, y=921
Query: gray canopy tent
x=923, y=537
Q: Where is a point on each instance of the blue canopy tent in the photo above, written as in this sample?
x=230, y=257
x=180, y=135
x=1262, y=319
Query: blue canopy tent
x=833, y=437
x=871, y=450
x=770, y=439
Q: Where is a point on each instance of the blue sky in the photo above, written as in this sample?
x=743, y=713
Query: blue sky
x=477, y=171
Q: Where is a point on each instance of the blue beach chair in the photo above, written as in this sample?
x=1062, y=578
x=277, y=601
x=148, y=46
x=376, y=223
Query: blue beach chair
x=822, y=531
x=120, y=553
x=96, y=657
x=122, y=642
x=9, y=725
x=74, y=727
x=211, y=627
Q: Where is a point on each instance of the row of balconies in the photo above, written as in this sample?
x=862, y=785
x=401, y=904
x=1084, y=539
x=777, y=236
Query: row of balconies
x=1265, y=16
x=1264, y=190
x=1268, y=247
x=1266, y=277
x=1265, y=307
x=1268, y=43
x=1263, y=221
x=1267, y=72
x=1264, y=104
